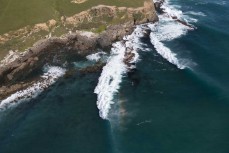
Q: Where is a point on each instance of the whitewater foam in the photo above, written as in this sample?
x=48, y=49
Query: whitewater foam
x=96, y=56
x=110, y=79
x=196, y=13
x=51, y=74
x=172, y=24
x=165, y=52
x=114, y=70
x=167, y=29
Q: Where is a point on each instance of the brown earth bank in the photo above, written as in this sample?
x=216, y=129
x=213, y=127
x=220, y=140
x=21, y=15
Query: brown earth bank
x=95, y=19
x=16, y=69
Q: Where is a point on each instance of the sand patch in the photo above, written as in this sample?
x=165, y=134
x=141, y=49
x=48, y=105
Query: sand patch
x=78, y=1
x=41, y=26
x=52, y=23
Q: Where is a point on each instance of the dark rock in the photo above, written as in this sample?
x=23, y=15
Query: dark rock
x=158, y=7
x=56, y=51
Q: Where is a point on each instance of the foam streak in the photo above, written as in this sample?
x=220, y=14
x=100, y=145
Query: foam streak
x=113, y=71
x=165, y=52
x=172, y=24
x=51, y=74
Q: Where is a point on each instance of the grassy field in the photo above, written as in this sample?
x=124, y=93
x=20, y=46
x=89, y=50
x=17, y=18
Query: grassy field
x=24, y=14
x=15, y=14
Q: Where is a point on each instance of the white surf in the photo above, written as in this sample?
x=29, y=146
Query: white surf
x=113, y=71
x=96, y=56
x=51, y=74
x=169, y=28
x=166, y=29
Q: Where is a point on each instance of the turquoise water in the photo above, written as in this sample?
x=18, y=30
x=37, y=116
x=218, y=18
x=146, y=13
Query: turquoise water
x=158, y=109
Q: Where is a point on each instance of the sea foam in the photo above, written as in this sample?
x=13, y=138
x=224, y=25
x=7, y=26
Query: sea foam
x=113, y=71
x=196, y=13
x=51, y=74
x=165, y=52
x=96, y=56
x=168, y=29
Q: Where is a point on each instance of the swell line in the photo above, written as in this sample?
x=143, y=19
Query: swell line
x=112, y=73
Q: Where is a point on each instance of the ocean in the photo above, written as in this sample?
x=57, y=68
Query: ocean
x=175, y=100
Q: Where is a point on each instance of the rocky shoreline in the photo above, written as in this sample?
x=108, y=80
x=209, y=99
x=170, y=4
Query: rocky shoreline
x=16, y=73
x=17, y=69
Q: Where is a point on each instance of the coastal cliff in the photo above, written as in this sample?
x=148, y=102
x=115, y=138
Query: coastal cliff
x=16, y=68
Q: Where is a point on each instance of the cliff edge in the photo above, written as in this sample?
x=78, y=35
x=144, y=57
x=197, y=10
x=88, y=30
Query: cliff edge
x=116, y=22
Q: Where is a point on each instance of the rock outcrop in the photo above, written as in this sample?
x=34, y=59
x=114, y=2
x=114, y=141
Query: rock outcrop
x=58, y=50
x=161, y=10
x=158, y=5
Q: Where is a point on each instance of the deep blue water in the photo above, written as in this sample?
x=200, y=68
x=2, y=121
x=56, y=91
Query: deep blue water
x=166, y=110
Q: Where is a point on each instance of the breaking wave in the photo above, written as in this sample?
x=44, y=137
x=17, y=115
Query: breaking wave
x=96, y=56
x=172, y=24
x=166, y=52
x=51, y=74
x=114, y=70
x=110, y=79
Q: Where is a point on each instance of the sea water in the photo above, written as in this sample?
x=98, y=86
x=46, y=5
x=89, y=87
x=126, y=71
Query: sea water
x=175, y=101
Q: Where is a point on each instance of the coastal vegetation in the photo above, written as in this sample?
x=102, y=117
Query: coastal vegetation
x=56, y=40
x=24, y=23
x=16, y=14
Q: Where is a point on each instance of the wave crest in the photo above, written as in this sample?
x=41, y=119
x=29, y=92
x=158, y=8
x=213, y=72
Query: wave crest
x=114, y=70
x=51, y=74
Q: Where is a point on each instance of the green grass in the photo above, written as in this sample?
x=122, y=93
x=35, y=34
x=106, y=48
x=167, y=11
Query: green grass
x=101, y=29
x=15, y=14
x=22, y=44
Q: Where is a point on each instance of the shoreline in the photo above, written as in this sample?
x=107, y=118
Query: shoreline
x=16, y=70
x=56, y=51
x=95, y=19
